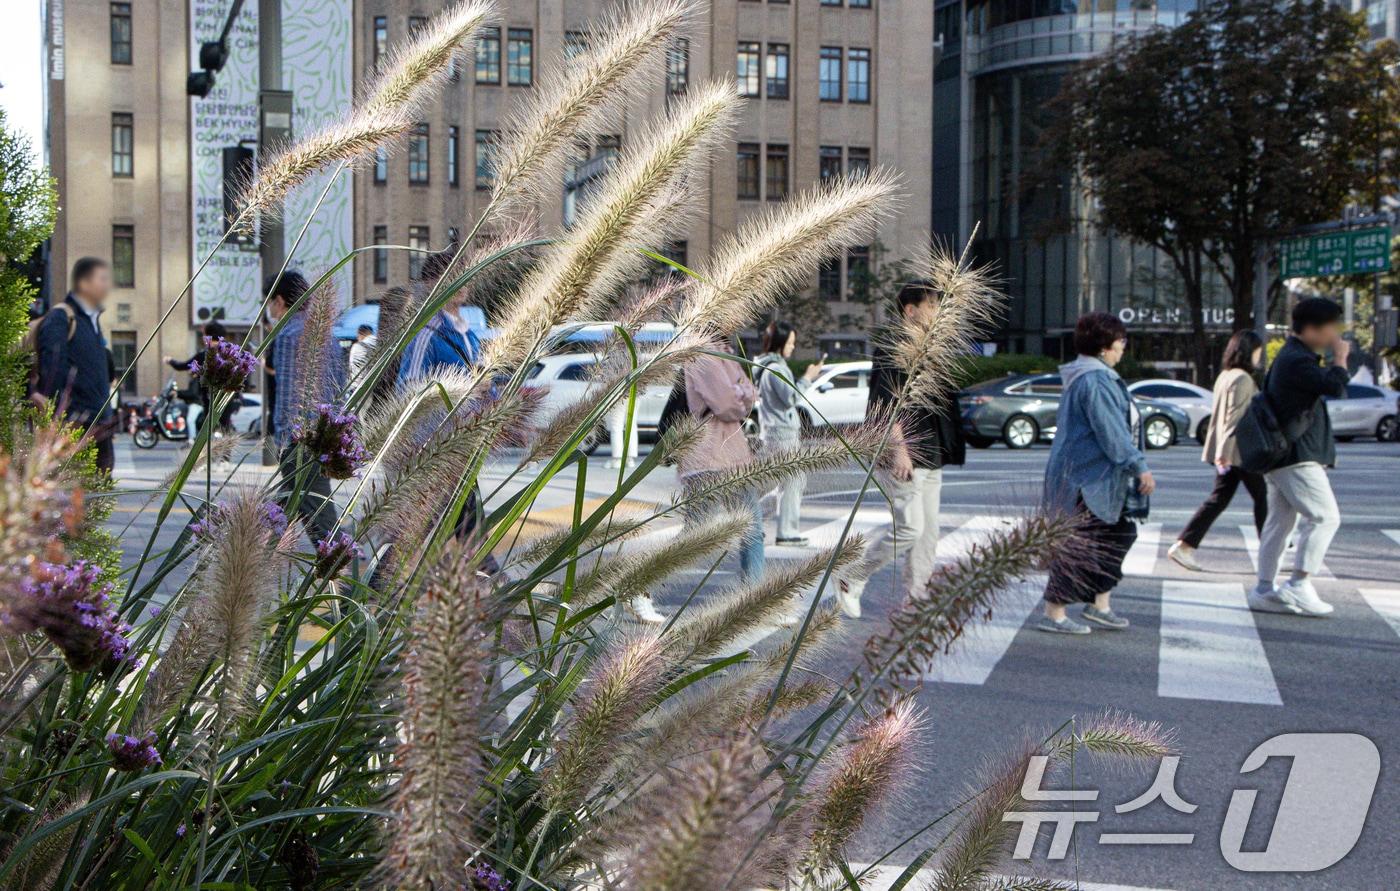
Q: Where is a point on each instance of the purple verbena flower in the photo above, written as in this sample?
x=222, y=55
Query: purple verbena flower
x=334, y=553
x=487, y=879
x=226, y=365
x=331, y=437
x=133, y=753
x=74, y=610
x=180, y=831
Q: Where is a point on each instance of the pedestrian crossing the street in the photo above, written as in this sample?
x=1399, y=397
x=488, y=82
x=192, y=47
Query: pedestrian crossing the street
x=1251, y=544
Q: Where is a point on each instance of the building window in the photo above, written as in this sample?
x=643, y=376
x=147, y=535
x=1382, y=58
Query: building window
x=678, y=68
x=859, y=4
x=418, y=243
x=831, y=2
x=121, y=33
x=123, y=345
x=124, y=256
x=858, y=272
x=829, y=164
x=485, y=163
x=381, y=166
x=830, y=74
x=453, y=143
x=381, y=39
x=776, y=72
x=488, y=56
x=776, y=172
x=122, y=153
x=858, y=74
x=381, y=255
x=520, y=54
x=575, y=44
x=858, y=160
x=829, y=279
x=748, y=171
x=418, y=155
x=748, y=68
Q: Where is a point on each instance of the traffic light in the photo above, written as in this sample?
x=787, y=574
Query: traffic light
x=212, y=56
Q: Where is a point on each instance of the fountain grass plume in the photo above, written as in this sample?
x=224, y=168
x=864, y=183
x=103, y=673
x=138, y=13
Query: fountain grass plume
x=980, y=843
x=931, y=349
x=414, y=72
x=577, y=276
x=345, y=141
x=774, y=252
x=570, y=100
x=700, y=822
x=439, y=764
x=626, y=576
x=817, y=454
x=38, y=503
x=929, y=621
x=317, y=350
x=739, y=611
x=876, y=763
x=409, y=405
x=616, y=694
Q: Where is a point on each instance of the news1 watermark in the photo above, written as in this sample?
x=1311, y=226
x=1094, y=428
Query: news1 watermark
x=1331, y=779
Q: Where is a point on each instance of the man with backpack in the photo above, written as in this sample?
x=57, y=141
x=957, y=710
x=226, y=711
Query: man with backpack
x=72, y=367
x=1299, y=491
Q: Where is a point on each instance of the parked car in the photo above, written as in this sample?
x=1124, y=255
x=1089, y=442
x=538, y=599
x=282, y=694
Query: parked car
x=564, y=380
x=1195, y=401
x=1019, y=410
x=1366, y=411
x=837, y=396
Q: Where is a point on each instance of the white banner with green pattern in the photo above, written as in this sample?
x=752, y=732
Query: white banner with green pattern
x=317, y=68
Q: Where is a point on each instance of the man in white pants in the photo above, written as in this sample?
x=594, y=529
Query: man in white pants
x=927, y=437
x=1299, y=492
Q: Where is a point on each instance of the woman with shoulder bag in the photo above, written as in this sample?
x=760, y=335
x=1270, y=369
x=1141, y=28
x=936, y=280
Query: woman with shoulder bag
x=1097, y=470
x=1234, y=389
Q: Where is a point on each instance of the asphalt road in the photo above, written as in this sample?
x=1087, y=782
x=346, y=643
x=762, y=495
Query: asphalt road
x=1224, y=679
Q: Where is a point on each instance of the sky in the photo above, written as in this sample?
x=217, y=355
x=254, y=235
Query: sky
x=22, y=70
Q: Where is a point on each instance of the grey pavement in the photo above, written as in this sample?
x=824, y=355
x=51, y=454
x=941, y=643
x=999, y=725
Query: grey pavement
x=1223, y=678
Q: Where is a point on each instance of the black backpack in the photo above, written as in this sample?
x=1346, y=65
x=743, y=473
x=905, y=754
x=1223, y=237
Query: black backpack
x=1264, y=438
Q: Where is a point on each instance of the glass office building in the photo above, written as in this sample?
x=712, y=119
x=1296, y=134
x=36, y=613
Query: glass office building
x=1001, y=63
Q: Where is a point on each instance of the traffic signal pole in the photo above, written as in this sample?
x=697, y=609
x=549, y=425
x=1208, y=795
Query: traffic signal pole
x=271, y=251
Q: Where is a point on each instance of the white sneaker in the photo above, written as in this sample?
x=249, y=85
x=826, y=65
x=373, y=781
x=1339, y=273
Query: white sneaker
x=1265, y=600
x=848, y=593
x=1185, y=556
x=1302, y=597
x=644, y=611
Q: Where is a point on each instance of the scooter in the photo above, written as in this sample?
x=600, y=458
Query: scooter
x=163, y=417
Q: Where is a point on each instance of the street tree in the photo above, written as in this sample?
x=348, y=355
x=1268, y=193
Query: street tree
x=27, y=206
x=1250, y=119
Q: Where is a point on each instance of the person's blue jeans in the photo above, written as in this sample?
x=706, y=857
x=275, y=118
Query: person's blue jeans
x=751, y=557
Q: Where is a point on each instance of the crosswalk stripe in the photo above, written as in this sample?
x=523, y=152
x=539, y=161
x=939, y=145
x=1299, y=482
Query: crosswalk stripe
x=1142, y=558
x=827, y=534
x=1251, y=544
x=1386, y=603
x=983, y=643
x=1392, y=534
x=1209, y=647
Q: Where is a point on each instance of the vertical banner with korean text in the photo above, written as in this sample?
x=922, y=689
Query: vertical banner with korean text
x=317, y=68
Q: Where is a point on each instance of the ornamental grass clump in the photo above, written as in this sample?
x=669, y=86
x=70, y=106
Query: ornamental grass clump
x=442, y=676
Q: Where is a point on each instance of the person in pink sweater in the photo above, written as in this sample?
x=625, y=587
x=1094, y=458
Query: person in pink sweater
x=720, y=394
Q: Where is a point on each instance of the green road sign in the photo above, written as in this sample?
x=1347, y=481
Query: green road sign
x=1358, y=251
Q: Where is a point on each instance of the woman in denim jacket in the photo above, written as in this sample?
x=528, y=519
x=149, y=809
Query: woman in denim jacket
x=1095, y=466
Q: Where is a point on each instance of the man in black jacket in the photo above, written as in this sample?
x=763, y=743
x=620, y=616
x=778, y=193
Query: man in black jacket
x=74, y=367
x=927, y=437
x=1299, y=491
